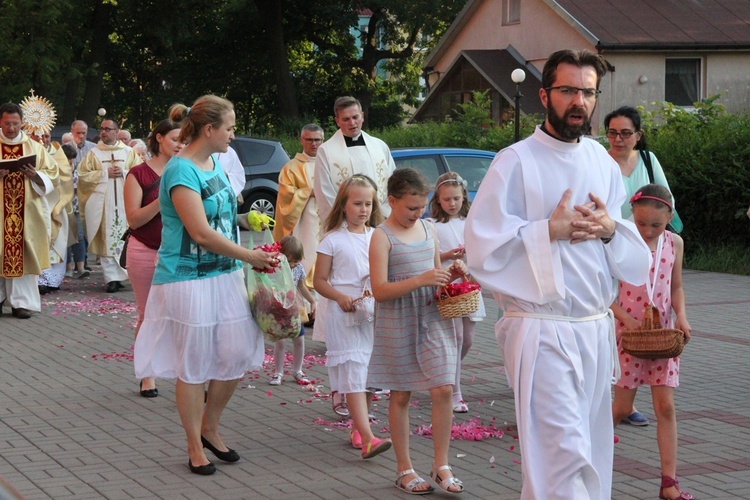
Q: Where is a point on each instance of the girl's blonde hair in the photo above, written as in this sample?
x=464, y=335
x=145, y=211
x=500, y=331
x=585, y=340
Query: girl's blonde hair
x=206, y=110
x=448, y=179
x=336, y=216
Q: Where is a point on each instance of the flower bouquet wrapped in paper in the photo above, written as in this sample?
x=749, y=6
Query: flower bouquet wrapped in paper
x=458, y=299
x=272, y=297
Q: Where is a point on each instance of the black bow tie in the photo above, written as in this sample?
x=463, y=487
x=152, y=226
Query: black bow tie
x=360, y=141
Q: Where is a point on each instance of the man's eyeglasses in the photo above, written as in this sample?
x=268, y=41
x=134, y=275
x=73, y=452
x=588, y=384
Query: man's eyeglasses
x=570, y=92
x=312, y=140
x=624, y=134
x=106, y=129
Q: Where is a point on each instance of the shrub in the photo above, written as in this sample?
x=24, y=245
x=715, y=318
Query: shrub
x=705, y=153
x=472, y=128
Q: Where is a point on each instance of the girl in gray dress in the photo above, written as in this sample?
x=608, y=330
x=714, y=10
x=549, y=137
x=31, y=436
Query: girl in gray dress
x=415, y=347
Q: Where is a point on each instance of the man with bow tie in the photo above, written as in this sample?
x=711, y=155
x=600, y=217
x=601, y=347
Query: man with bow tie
x=350, y=151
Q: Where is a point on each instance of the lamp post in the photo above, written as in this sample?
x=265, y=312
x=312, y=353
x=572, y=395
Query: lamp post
x=518, y=76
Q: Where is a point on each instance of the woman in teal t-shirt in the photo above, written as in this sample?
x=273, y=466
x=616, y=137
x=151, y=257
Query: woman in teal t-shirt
x=198, y=327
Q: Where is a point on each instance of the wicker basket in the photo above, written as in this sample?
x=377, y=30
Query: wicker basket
x=652, y=341
x=458, y=306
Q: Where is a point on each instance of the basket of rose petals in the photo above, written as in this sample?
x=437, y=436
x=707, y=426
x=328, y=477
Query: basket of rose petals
x=458, y=299
x=272, y=296
x=651, y=341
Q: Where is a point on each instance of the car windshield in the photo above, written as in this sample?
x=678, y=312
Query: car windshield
x=471, y=168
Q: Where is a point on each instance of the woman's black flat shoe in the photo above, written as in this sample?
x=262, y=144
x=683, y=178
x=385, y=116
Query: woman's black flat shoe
x=203, y=470
x=226, y=456
x=148, y=393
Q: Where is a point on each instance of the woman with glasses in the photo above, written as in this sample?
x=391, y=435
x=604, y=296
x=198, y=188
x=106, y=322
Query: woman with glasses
x=626, y=140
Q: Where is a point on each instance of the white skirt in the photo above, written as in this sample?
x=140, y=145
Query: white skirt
x=199, y=330
x=349, y=377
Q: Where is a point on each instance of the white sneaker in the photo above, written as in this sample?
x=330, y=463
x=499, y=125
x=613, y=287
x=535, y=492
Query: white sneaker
x=69, y=273
x=276, y=379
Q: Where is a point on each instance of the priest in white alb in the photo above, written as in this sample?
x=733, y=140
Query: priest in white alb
x=101, y=177
x=24, y=215
x=351, y=151
x=545, y=236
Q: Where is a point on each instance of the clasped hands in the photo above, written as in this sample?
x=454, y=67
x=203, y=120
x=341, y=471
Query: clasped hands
x=589, y=221
x=114, y=172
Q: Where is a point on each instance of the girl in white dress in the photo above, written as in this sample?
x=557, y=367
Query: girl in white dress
x=342, y=275
x=449, y=207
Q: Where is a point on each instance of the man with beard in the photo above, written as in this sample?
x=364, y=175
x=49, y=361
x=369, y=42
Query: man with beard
x=101, y=177
x=540, y=237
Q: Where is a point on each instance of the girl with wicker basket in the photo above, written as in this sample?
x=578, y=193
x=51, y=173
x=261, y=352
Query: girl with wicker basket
x=415, y=347
x=346, y=309
x=449, y=207
x=652, y=210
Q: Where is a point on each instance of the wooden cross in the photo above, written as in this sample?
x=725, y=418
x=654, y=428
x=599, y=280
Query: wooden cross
x=111, y=161
x=112, y=164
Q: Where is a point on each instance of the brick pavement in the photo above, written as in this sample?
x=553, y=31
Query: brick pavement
x=72, y=424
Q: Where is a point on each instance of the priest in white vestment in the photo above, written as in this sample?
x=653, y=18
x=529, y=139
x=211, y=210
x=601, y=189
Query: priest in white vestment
x=351, y=151
x=101, y=177
x=545, y=236
x=24, y=215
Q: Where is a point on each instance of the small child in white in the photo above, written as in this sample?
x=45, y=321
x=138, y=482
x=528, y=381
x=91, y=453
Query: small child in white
x=292, y=249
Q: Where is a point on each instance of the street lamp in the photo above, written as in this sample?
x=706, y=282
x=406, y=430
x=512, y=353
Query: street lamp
x=518, y=76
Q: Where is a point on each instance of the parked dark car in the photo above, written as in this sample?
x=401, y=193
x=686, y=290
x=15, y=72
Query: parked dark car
x=470, y=164
x=262, y=161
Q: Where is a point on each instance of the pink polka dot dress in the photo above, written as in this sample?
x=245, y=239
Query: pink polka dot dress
x=634, y=299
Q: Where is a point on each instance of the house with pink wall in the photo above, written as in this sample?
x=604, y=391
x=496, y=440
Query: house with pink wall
x=679, y=51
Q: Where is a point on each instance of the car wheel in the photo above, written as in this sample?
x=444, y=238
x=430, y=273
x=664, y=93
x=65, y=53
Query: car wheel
x=261, y=202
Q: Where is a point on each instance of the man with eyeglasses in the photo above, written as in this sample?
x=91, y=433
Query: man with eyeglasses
x=101, y=177
x=296, y=207
x=24, y=216
x=351, y=151
x=541, y=237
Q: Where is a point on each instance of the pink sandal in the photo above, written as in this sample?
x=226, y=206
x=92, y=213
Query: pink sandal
x=668, y=482
x=375, y=447
x=356, y=439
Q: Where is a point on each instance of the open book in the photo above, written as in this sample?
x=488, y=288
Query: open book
x=14, y=165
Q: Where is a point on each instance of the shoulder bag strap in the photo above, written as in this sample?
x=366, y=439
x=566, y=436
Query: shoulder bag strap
x=646, y=157
x=151, y=187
